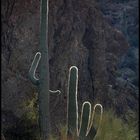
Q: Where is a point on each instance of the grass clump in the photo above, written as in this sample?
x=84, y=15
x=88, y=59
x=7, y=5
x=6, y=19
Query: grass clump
x=112, y=128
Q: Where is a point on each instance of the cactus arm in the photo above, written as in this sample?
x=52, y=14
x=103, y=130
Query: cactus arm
x=93, y=114
x=32, y=72
x=89, y=132
x=101, y=115
x=85, y=119
x=72, y=100
x=33, y=68
x=56, y=92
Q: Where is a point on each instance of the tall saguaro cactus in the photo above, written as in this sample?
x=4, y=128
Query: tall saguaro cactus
x=83, y=125
x=43, y=82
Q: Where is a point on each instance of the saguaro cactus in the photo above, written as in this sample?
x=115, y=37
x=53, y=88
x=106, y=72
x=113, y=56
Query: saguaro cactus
x=83, y=125
x=43, y=81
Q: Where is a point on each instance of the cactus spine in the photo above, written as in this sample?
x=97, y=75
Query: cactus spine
x=83, y=125
x=43, y=81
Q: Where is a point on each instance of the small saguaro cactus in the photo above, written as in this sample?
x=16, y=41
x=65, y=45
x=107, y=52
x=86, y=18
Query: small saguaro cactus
x=83, y=125
x=43, y=82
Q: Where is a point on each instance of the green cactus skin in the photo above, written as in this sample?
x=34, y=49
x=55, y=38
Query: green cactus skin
x=72, y=104
x=84, y=119
x=83, y=125
x=43, y=81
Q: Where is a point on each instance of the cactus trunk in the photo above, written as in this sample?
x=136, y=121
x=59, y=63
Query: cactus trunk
x=43, y=96
x=43, y=81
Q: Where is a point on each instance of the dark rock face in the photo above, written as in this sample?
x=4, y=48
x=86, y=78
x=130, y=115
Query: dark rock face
x=123, y=15
x=78, y=35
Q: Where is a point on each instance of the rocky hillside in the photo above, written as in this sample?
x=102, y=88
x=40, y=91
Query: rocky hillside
x=78, y=35
x=123, y=15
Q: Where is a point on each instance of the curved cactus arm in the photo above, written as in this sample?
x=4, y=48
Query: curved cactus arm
x=56, y=92
x=84, y=119
x=91, y=122
x=33, y=68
